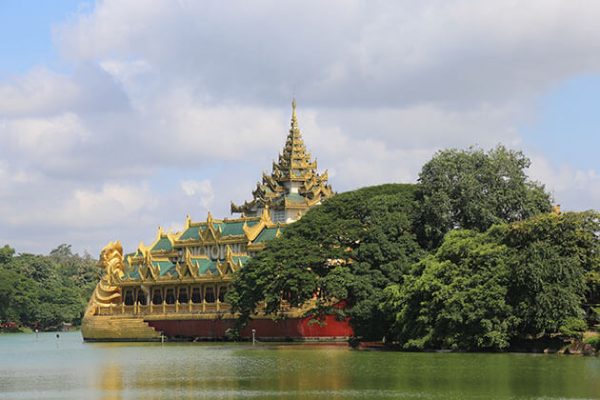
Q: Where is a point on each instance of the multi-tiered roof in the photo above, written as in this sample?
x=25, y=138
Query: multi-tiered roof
x=208, y=250
x=293, y=186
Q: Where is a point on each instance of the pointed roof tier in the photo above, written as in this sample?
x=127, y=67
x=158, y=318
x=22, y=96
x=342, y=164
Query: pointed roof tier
x=293, y=185
x=210, y=249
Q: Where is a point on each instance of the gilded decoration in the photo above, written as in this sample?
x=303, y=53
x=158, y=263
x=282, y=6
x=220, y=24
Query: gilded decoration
x=186, y=274
x=294, y=184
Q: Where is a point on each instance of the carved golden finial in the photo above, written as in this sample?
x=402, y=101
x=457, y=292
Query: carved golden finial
x=556, y=209
x=294, y=117
x=265, y=216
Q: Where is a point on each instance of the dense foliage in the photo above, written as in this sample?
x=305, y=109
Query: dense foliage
x=45, y=291
x=350, y=248
x=483, y=290
x=470, y=258
x=473, y=189
x=455, y=298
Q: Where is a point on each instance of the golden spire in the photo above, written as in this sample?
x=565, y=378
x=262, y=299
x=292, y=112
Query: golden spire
x=294, y=117
x=294, y=175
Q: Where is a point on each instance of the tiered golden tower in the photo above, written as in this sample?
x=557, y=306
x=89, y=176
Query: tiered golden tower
x=294, y=185
x=177, y=285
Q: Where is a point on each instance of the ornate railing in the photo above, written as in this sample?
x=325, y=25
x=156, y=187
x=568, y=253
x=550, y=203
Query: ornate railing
x=159, y=309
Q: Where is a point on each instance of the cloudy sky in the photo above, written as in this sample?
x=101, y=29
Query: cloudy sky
x=119, y=116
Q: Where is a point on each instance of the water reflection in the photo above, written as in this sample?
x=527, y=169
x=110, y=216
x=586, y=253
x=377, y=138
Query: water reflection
x=30, y=369
x=111, y=381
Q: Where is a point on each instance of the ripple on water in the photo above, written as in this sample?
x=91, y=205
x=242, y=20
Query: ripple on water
x=66, y=368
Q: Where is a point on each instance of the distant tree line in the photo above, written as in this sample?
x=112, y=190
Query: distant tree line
x=470, y=258
x=43, y=292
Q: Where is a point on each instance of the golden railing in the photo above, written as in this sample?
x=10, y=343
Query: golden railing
x=164, y=308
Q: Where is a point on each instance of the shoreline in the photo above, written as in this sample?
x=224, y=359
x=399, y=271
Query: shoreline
x=579, y=348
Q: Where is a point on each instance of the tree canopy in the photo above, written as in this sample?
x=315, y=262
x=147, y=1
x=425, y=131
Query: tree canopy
x=45, y=291
x=481, y=291
x=469, y=258
x=349, y=248
x=474, y=189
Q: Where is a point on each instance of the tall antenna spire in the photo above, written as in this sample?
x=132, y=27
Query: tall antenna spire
x=294, y=117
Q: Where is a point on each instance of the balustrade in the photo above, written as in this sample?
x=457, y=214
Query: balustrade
x=156, y=309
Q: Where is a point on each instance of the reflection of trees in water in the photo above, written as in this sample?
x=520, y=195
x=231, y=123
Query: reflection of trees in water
x=306, y=369
x=310, y=372
x=221, y=371
x=185, y=368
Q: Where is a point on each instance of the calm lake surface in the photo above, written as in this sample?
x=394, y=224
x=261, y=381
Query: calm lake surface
x=66, y=368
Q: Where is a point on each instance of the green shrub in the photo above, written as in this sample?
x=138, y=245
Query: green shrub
x=573, y=328
x=594, y=341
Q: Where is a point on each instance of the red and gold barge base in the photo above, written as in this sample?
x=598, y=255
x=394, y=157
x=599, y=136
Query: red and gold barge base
x=123, y=327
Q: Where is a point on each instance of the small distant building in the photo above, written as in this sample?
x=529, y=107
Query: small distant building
x=176, y=286
x=66, y=327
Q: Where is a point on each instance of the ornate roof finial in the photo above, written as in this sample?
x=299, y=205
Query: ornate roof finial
x=294, y=117
x=294, y=174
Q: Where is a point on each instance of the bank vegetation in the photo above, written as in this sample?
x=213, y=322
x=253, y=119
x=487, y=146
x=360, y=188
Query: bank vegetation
x=473, y=257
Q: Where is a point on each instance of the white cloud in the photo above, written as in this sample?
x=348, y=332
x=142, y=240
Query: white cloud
x=39, y=92
x=348, y=53
x=571, y=187
x=175, y=107
x=111, y=205
x=203, y=190
x=44, y=137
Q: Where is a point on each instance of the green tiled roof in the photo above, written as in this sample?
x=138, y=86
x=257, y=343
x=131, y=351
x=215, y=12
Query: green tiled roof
x=205, y=265
x=134, y=273
x=243, y=259
x=191, y=233
x=295, y=197
x=232, y=228
x=163, y=244
x=205, y=226
x=227, y=229
x=266, y=234
x=166, y=267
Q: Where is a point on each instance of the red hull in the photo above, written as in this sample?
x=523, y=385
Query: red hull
x=266, y=329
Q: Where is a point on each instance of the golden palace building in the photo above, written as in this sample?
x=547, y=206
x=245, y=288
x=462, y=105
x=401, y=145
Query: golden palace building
x=176, y=286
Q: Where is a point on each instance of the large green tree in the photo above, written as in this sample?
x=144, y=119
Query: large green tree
x=44, y=291
x=481, y=291
x=474, y=189
x=455, y=298
x=349, y=248
x=553, y=260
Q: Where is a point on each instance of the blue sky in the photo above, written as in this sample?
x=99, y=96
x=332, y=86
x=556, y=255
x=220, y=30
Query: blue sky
x=118, y=116
x=566, y=124
x=26, y=33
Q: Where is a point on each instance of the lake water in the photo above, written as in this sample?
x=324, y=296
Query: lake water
x=49, y=368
